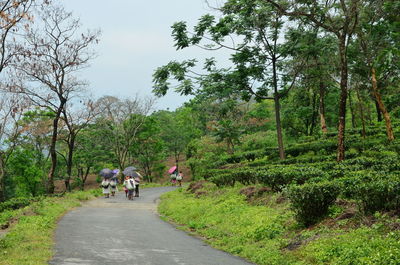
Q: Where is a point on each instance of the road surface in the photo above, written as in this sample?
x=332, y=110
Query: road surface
x=117, y=231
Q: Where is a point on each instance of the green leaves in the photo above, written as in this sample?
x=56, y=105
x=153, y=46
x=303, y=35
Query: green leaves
x=311, y=201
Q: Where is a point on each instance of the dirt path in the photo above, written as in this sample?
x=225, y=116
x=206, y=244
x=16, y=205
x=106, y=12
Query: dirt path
x=116, y=231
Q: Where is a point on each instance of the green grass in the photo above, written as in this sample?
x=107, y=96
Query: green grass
x=262, y=234
x=30, y=239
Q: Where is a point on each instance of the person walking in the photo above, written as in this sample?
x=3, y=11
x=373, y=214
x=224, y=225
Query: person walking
x=179, y=178
x=113, y=186
x=124, y=186
x=173, y=177
x=137, y=179
x=105, y=184
x=130, y=185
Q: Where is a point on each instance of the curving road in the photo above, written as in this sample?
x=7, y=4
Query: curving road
x=117, y=231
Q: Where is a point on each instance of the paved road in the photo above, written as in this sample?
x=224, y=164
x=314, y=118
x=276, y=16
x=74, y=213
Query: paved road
x=117, y=231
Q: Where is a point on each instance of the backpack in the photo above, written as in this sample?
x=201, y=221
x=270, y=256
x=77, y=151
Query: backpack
x=131, y=185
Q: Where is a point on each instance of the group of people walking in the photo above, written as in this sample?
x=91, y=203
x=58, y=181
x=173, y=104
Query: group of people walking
x=176, y=177
x=130, y=185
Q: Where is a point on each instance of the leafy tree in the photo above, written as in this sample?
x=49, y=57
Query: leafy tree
x=74, y=122
x=336, y=17
x=177, y=129
x=257, y=59
x=378, y=58
x=25, y=172
x=149, y=148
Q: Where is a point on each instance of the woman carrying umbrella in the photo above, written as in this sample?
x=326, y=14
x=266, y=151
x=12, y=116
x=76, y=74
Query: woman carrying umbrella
x=114, y=182
x=105, y=184
x=173, y=171
x=137, y=178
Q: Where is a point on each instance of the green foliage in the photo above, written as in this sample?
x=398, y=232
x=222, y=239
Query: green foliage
x=30, y=240
x=230, y=224
x=14, y=203
x=311, y=201
x=27, y=176
x=380, y=194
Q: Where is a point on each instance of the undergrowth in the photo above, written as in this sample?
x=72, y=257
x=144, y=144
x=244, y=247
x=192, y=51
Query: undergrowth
x=30, y=237
x=264, y=230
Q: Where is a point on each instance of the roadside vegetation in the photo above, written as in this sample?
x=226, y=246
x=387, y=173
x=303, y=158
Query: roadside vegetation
x=30, y=225
x=295, y=138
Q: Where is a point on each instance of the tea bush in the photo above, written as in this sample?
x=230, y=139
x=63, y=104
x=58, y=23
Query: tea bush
x=311, y=201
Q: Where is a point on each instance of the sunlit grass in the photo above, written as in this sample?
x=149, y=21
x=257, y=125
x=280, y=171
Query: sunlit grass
x=262, y=234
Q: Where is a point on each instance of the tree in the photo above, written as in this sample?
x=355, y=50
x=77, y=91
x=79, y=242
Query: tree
x=91, y=152
x=149, y=148
x=121, y=121
x=177, y=130
x=75, y=121
x=11, y=109
x=14, y=13
x=375, y=51
x=339, y=18
x=48, y=61
x=257, y=59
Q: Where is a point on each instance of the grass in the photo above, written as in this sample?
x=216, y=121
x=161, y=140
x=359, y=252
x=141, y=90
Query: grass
x=30, y=238
x=268, y=234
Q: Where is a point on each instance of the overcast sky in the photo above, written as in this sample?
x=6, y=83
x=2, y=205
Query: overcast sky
x=136, y=39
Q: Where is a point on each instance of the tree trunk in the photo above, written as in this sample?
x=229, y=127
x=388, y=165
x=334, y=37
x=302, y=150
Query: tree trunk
x=322, y=107
x=353, y=115
x=360, y=102
x=343, y=99
x=277, y=111
x=381, y=105
x=71, y=146
x=378, y=111
x=314, y=114
x=53, y=153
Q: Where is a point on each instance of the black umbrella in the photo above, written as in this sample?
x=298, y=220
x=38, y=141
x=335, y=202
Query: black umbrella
x=106, y=173
x=129, y=171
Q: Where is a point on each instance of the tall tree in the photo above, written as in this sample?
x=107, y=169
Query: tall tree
x=341, y=18
x=254, y=30
x=378, y=54
x=75, y=121
x=49, y=60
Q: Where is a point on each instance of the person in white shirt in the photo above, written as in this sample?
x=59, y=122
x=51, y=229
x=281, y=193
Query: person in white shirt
x=105, y=184
x=130, y=186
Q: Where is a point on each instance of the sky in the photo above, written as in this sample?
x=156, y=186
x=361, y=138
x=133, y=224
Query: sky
x=136, y=39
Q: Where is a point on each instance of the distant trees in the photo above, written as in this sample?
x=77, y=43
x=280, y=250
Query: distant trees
x=120, y=123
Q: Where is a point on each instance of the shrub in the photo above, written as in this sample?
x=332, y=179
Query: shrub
x=379, y=194
x=14, y=203
x=311, y=201
x=278, y=177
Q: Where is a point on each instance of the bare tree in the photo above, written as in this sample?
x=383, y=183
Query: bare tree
x=122, y=119
x=13, y=13
x=48, y=61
